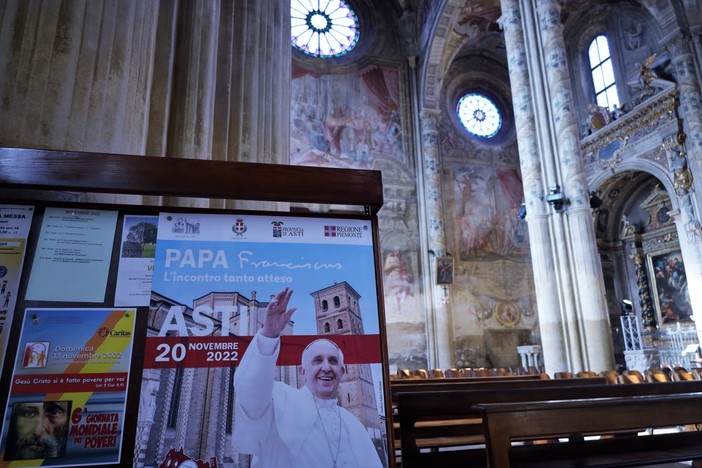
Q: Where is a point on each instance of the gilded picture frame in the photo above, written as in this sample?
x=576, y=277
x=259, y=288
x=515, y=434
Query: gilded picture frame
x=668, y=282
x=444, y=270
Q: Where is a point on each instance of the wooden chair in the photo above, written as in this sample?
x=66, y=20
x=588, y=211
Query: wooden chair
x=520, y=371
x=404, y=374
x=562, y=375
x=420, y=373
x=436, y=374
x=610, y=375
x=586, y=374
x=452, y=373
x=633, y=378
x=656, y=375
x=636, y=373
x=682, y=374
x=483, y=372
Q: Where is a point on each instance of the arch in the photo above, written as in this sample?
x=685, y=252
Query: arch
x=598, y=178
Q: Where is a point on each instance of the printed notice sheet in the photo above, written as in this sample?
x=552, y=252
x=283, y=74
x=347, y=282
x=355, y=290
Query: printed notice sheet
x=136, y=261
x=15, y=222
x=72, y=258
x=70, y=379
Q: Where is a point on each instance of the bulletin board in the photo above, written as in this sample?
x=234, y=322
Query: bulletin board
x=131, y=320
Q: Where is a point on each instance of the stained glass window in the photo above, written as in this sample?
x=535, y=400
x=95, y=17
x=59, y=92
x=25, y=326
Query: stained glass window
x=603, y=73
x=479, y=115
x=323, y=28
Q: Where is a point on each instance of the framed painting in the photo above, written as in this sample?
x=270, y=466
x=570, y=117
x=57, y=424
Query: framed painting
x=669, y=286
x=444, y=270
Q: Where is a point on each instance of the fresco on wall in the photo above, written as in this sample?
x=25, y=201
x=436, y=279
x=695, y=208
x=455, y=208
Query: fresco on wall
x=345, y=120
x=355, y=121
x=487, y=202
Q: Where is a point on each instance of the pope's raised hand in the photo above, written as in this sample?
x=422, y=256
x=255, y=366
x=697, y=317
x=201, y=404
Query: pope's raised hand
x=277, y=314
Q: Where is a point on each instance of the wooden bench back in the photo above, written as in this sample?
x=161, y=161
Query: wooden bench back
x=419, y=413
x=505, y=422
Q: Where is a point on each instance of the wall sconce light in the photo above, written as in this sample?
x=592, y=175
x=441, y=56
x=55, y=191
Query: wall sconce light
x=595, y=201
x=555, y=197
x=522, y=211
x=627, y=307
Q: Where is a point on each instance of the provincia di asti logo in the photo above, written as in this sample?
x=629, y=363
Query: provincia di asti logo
x=281, y=230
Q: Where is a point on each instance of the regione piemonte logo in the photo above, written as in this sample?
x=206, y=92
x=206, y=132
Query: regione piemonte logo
x=344, y=231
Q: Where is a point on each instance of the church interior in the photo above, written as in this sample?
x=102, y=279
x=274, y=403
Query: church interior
x=541, y=161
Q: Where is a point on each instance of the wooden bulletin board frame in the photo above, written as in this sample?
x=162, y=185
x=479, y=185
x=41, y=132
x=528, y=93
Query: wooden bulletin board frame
x=31, y=171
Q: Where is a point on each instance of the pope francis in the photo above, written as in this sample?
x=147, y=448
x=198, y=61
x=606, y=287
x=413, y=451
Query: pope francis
x=282, y=426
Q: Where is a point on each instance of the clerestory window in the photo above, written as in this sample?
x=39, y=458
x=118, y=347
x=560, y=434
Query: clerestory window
x=602, y=72
x=323, y=28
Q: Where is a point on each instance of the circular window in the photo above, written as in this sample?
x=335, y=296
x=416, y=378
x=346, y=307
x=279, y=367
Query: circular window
x=323, y=28
x=479, y=115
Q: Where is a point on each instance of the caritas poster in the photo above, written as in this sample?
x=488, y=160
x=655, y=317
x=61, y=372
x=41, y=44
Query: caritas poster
x=69, y=387
x=214, y=276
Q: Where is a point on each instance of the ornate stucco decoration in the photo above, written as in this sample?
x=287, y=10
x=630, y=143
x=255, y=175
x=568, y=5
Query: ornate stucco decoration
x=648, y=316
x=606, y=146
x=673, y=145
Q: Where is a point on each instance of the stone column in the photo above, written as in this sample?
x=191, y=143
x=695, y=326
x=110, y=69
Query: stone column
x=76, y=75
x=586, y=319
x=685, y=157
x=190, y=129
x=252, y=109
x=568, y=276
x=439, y=323
x=552, y=339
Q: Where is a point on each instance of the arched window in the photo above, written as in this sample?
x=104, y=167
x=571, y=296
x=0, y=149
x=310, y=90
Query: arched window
x=337, y=302
x=327, y=328
x=603, y=73
x=175, y=399
x=325, y=305
x=339, y=324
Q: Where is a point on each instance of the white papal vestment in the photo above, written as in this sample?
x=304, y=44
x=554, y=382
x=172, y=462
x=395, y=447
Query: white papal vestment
x=282, y=426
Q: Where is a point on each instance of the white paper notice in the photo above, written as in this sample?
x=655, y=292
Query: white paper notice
x=15, y=222
x=136, y=261
x=72, y=260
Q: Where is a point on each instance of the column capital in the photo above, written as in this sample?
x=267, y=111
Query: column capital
x=678, y=46
x=430, y=120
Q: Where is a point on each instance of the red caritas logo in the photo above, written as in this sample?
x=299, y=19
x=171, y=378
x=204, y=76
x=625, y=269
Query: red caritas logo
x=103, y=332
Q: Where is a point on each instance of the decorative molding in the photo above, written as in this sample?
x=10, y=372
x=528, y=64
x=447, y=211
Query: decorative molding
x=628, y=128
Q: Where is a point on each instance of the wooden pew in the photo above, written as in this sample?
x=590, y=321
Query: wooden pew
x=448, y=431
x=430, y=421
x=456, y=383
x=505, y=422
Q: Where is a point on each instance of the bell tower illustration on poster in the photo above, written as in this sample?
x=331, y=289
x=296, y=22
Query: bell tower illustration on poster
x=338, y=312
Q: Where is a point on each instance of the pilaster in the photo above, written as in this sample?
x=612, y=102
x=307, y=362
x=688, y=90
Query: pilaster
x=441, y=341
